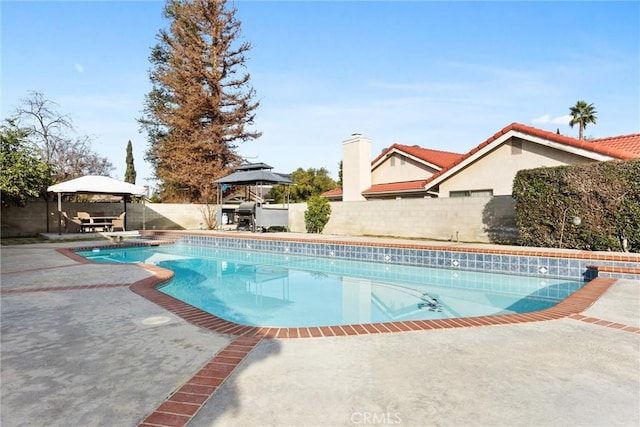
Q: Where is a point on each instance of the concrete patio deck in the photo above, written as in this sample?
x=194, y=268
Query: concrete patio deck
x=79, y=348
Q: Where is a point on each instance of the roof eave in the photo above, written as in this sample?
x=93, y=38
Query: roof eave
x=391, y=192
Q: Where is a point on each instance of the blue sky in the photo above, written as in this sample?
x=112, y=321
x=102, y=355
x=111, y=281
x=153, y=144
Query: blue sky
x=442, y=75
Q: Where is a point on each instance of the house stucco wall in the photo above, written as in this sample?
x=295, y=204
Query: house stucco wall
x=403, y=169
x=496, y=170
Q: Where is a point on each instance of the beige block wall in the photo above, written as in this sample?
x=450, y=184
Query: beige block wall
x=466, y=219
x=32, y=219
x=162, y=216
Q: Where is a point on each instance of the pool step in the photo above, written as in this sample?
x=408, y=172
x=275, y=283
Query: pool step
x=119, y=236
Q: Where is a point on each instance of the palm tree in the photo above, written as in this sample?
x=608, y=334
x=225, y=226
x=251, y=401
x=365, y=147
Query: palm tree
x=582, y=114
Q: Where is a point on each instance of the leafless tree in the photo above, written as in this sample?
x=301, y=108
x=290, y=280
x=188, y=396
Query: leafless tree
x=45, y=125
x=53, y=135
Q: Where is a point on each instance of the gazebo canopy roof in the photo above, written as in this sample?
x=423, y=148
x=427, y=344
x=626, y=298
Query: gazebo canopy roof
x=255, y=174
x=253, y=166
x=94, y=184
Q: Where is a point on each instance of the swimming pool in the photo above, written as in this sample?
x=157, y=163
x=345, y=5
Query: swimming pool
x=284, y=290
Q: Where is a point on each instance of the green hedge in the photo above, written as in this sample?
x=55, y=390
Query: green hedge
x=604, y=195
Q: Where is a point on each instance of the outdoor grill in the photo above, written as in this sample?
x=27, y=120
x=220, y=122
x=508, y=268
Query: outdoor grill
x=246, y=216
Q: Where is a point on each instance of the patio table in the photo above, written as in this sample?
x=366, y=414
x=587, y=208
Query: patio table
x=98, y=222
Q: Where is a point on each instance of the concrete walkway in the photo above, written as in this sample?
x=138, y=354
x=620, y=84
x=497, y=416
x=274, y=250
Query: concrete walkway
x=87, y=357
x=89, y=352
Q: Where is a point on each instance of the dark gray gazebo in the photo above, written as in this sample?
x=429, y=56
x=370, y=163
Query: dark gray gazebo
x=257, y=174
x=253, y=174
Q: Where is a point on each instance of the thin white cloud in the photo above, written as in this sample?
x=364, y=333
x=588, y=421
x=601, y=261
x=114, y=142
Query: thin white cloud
x=79, y=67
x=547, y=119
x=516, y=82
x=561, y=120
x=422, y=120
x=542, y=119
x=418, y=86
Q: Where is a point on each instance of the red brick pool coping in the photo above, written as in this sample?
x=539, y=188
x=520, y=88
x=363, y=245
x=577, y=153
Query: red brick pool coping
x=184, y=403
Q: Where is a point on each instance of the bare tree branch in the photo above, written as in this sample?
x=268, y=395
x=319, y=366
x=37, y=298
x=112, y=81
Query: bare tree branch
x=53, y=135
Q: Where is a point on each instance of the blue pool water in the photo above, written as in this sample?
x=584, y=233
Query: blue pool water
x=279, y=290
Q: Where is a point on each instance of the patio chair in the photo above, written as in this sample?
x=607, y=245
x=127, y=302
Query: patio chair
x=85, y=218
x=118, y=222
x=73, y=224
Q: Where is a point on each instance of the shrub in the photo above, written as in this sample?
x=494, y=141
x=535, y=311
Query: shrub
x=317, y=214
x=209, y=215
x=604, y=195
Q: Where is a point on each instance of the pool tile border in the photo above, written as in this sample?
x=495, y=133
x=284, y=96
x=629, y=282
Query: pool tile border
x=542, y=262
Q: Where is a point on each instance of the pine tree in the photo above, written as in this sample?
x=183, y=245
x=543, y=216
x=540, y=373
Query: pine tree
x=201, y=104
x=130, y=173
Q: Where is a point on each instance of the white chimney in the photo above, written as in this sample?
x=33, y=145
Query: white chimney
x=356, y=167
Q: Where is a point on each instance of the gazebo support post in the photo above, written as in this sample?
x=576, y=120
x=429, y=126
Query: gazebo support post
x=59, y=214
x=144, y=213
x=218, y=207
x=124, y=199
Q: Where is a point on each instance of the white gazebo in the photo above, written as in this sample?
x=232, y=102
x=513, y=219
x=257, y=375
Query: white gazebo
x=94, y=184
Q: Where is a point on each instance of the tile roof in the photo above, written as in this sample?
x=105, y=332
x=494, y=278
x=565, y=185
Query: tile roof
x=628, y=143
x=436, y=157
x=396, y=187
x=574, y=142
x=590, y=145
x=620, y=147
x=333, y=193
